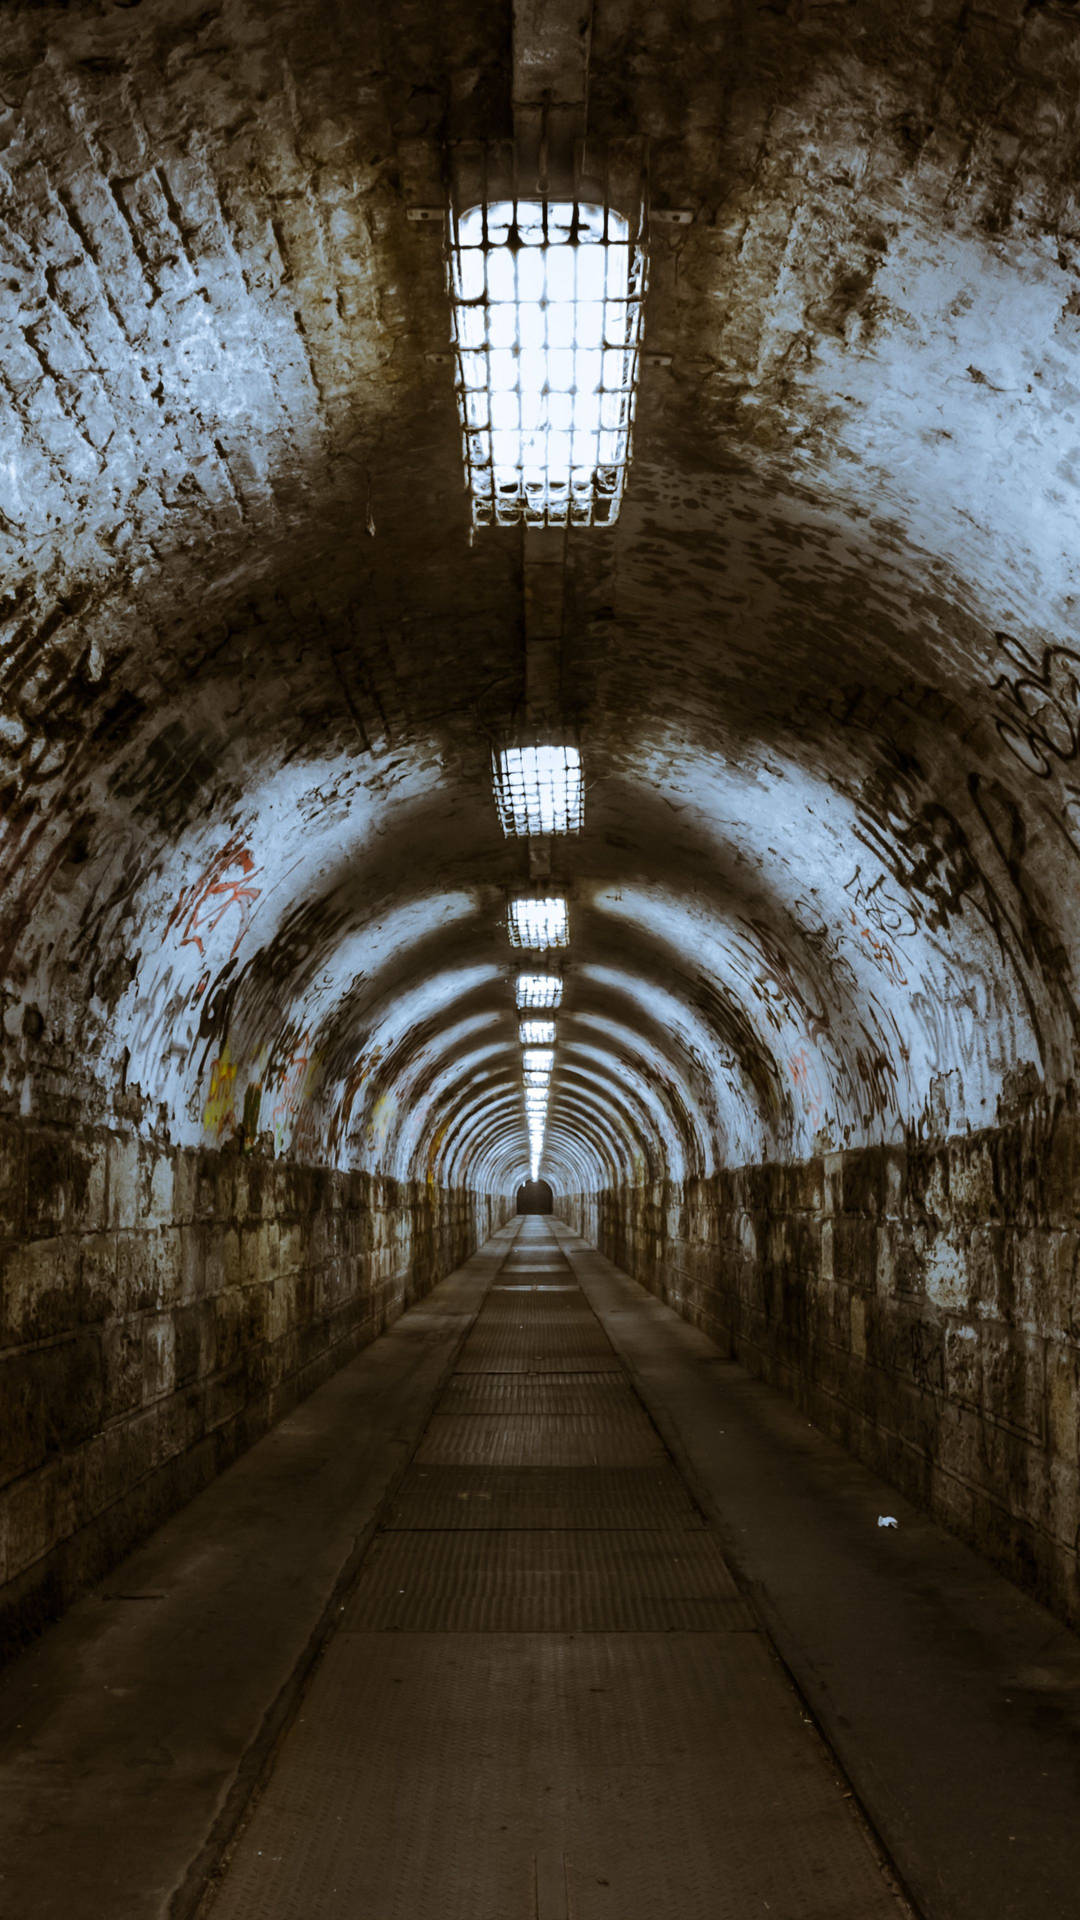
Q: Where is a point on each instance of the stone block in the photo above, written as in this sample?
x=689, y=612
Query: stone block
x=122, y=1360
x=38, y=1289
x=22, y=1431
x=13, y=1165
x=34, y=1507
x=124, y=1199
x=158, y=1356
x=1063, y=1504
x=854, y=1251
x=98, y=1293
x=75, y=1390
x=156, y=1181
x=231, y=1265
x=862, y=1181
x=192, y=1261
x=952, y=1502
x=990, y=1256
x=185, y=1187
x=1035, y=1274
x=946, y=1271
x=189, y=1357
x=963, y=1364
x=833, y=1177
x=1014, y=1380
x=225, y=1396
x=52, y=1183
x=256, y=1266
x=828, y=1250
x=857, y=1312
x=1058, y=1171
x=1063, y=1402
x=164, y=1262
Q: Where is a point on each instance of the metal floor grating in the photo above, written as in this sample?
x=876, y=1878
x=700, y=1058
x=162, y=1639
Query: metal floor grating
x=600, y=1497
x=538, y=1440
x=546, y=1699
x=553, y=1394
x=506, y=1348
x=541, y=1582
x=541, y=1776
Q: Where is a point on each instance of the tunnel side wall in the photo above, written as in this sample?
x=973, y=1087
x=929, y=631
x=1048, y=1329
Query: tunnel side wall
x=160, y=1308
x=922, y=1305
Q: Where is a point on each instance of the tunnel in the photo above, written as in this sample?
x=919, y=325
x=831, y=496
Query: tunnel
x=539, y=911
x=535, y=1196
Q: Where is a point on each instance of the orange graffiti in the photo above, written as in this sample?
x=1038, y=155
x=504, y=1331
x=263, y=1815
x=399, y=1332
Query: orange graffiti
x=805, y=1078
x=296, y=1085
x=202, y=905
x=881, y=952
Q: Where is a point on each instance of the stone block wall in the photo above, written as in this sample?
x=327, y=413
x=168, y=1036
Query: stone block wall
x=922, y=1304
x=160, y=1308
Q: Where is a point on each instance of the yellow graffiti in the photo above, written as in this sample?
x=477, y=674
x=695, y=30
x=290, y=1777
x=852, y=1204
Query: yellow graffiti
x=382, y=1113
x=437, y=1139
x=220, y=1111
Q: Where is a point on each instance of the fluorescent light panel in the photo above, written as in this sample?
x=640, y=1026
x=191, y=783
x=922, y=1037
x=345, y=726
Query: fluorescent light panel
x=538, y=790
x=539, y=923
x=547, y=327
x=539, y=990
x=537, y=1033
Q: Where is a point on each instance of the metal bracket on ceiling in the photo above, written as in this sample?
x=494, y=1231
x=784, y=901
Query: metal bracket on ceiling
x=650, y=359
x=671, y=216
x=425, y=216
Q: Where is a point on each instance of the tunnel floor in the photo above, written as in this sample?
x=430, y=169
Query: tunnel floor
x=536, y=1609
x=546, y=1696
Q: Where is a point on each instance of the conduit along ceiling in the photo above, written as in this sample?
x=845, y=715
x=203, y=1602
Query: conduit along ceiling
x=811, y=640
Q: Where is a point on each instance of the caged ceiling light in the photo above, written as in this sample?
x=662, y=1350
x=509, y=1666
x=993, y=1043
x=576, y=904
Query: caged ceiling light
x=538, y=790
x=538, y=1059
x=537, y=1033
x=539, y=990
x=539, y=923
x=547, y=297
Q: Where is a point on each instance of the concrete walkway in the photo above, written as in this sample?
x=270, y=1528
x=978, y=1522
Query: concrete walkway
x=461, y=1637
x=132, y=1734
x=951, y=1700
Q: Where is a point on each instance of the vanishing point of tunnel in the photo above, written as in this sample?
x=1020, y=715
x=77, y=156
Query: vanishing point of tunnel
x=539, y=959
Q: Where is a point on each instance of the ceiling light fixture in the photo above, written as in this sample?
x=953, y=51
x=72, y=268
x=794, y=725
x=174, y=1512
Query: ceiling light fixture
x=538, y=790
x=539, y=990
x=547, y=301
x=539, y=1059
x=539, y=923
x=537, y=1033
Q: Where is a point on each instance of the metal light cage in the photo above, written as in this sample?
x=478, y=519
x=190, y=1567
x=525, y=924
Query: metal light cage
x=537, y=1033
x=539, y=922
x=539, y=788
x=538, y=990
x=547, y=279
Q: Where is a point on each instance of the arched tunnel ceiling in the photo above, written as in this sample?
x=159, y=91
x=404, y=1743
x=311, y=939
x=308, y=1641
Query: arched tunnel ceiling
x=824, y=669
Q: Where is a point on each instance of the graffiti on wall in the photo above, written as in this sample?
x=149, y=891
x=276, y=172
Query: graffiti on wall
x=223, y=888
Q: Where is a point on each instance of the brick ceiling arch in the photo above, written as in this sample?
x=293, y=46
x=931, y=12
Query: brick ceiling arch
x=824, y=670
